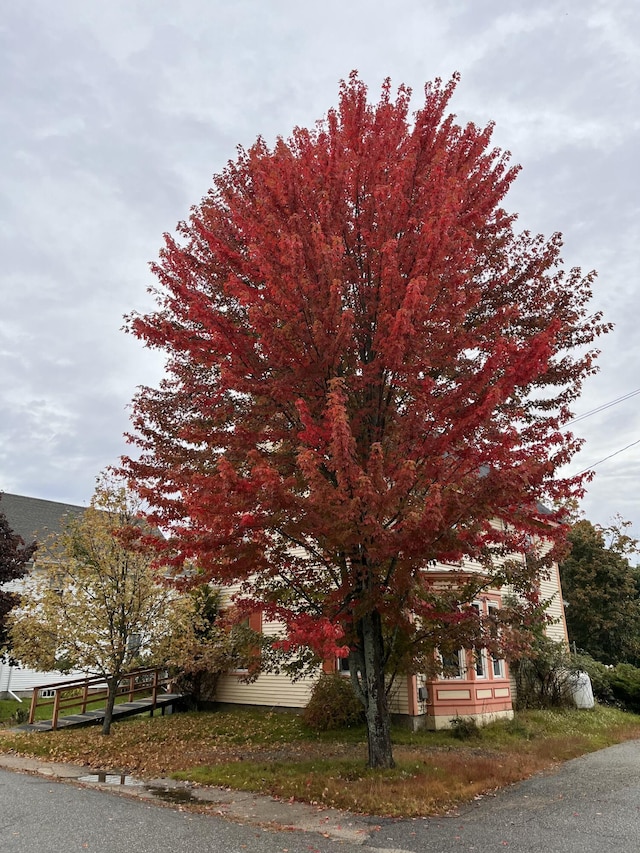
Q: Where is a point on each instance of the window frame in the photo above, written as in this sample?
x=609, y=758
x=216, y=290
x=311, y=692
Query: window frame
x=479, y=655
x=461, y=666
x=497, y=664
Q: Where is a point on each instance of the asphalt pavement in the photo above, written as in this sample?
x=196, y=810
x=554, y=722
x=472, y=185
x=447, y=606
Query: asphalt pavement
x=586, y=805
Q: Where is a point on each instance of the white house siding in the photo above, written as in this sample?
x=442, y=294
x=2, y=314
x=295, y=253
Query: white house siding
x=399, y=698
x=21, y=681
x=550, y=590
x=270, y=690
x=32, y=518
x=278, y=691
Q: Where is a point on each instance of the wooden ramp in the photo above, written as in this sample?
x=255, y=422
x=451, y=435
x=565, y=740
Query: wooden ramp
x=138, y=691
x=90, y=718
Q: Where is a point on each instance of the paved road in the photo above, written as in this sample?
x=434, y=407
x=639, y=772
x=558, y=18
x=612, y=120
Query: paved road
x=590, y=805
x=43, y=816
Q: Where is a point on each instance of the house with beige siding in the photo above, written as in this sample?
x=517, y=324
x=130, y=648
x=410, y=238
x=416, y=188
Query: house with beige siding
x=475, y=686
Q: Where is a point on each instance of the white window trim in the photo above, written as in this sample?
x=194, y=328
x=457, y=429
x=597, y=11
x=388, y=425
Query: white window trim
x=480, y=655
x=462, y=669
x=497, y=664
x=342, y=666
x=481, y=659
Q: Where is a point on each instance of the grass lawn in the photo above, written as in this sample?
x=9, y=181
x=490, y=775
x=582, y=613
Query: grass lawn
x=274, y=753
x=9, y=708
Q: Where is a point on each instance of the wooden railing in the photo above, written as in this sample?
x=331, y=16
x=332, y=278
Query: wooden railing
x=84, y=692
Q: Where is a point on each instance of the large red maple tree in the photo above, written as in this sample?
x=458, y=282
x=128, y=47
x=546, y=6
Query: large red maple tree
x=367, y=367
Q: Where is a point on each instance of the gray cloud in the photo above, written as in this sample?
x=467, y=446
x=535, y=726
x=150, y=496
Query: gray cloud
x=116, y=115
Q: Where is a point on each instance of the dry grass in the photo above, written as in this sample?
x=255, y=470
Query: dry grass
x=423, y=781
x=275, y=754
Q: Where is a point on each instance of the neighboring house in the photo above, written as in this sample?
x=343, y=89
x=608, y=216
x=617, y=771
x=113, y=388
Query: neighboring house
x=32, y=518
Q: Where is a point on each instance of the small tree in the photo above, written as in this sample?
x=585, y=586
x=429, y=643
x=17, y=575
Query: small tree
x=545, y=676
x=14, y=561
x=205, y=641
x=96, y=605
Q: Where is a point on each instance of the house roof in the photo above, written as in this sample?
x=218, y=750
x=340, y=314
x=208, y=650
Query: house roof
x=34, y=518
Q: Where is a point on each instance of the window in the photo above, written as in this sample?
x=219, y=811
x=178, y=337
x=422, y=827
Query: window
x=254, y=623
x=453, y=664
x=342, y=666
x=479, y=655
x=134, y=642
x=56, y=582
x=497, y=664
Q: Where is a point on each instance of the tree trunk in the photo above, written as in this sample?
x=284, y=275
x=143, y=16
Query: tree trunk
x=112, y=687
x=375, y=696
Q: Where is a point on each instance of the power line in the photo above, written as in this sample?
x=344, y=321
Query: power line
x=610, y=456
x=596, y=411
x=603, y=407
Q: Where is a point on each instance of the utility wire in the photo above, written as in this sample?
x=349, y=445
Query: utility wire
x=610, y=456
x=603, y=407
x=596, y=411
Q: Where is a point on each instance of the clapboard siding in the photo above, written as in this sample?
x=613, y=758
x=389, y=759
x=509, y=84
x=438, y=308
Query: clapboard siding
x=273, y=691
x=551, y=591
x=399, y=698
x=20, y=680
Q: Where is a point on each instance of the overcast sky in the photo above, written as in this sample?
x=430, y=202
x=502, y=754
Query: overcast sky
x=115, y=115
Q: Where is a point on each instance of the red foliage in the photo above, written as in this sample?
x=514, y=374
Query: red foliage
x=366, y=365
x=319, y=634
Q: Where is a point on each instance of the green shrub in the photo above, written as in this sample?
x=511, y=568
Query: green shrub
x=619, y=685
x=464, y=728
x=333, y=704
x=625, y=686
x=543, y=676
